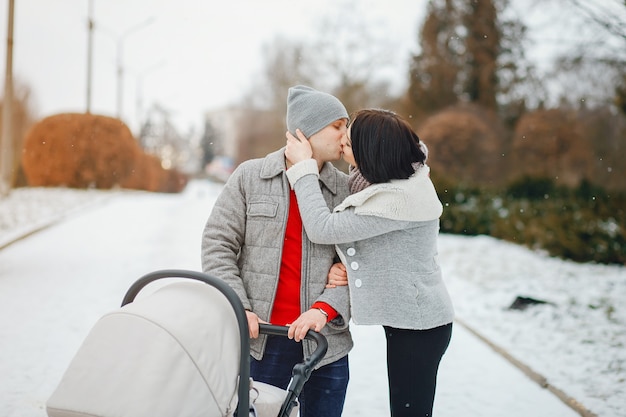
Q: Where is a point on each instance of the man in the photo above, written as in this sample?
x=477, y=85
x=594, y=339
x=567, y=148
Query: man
x=254, y=241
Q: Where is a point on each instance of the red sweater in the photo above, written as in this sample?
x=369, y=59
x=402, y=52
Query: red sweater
x=287, y=302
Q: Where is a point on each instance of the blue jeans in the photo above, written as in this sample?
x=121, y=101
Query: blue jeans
x=323, y=394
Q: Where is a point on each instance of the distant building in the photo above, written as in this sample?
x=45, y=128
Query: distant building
x=159, y=137
x=225, y=122
x=220, y=142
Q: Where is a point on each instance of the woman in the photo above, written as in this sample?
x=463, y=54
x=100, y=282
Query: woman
x=385, y=233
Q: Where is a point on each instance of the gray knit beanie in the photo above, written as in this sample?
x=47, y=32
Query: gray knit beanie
x=310, y=110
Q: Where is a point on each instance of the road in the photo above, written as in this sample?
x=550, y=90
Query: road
x=55, y=284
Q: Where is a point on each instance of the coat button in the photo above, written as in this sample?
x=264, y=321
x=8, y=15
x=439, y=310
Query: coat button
x=358, y=283
x=354, y=266
x=351, y=251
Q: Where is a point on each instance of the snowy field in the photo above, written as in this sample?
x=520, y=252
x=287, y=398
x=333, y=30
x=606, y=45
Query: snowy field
x=54, y=285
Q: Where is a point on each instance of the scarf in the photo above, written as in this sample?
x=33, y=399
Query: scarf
x=356, y=180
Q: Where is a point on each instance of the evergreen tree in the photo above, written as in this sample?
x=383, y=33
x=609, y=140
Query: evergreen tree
x=470, y=54
x=434, y=72
x=482, y=49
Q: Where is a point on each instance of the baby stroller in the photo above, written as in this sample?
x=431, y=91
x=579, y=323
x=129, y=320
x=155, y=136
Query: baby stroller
x=182, y=350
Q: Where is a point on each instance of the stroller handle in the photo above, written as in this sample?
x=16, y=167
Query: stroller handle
x=318, y=338
x=301, y=371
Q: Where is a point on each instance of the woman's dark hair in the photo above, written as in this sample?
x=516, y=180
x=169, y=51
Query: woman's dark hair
x=384, y=145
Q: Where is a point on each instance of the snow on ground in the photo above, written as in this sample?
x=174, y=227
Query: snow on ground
x=576, y=341
x=27, y=210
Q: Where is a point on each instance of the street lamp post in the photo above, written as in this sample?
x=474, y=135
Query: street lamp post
x=120, y=66
x=139, y=89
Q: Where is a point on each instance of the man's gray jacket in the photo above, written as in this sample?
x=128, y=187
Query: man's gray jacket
x=242, y=244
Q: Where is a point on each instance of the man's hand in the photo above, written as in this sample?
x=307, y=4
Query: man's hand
x=312, y=319
x=253, y=324
x=337, y=276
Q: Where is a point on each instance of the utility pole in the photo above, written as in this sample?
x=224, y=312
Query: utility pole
x=6, y=144
x=120, y=65
x=139, y=90
x=89, y=54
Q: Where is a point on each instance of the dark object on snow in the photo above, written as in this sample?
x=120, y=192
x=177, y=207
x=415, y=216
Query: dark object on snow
x=522, y=303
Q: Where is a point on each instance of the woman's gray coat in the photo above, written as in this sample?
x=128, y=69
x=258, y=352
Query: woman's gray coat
x=386, y=235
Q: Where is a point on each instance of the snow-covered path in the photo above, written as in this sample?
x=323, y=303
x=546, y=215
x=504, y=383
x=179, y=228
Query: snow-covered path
x=474, y=381
x=55, y=284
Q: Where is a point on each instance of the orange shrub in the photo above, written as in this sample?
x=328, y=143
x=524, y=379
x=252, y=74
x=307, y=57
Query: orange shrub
x=85, y=150
x=550, y=144
x=466, y=144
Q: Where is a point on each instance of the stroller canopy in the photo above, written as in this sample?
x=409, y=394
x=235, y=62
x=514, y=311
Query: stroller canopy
x=174, y=352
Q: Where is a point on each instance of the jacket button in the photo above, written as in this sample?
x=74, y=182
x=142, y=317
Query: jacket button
x=354, y=266
x=351, y=251
x=358, y=283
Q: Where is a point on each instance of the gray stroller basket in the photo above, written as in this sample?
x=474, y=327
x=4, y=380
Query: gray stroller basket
x=181, y=350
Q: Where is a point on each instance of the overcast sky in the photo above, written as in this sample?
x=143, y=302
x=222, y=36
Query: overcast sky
x=189, y=56
x=193, y=56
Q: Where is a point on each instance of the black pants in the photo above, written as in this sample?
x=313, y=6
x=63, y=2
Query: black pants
x=413, y=358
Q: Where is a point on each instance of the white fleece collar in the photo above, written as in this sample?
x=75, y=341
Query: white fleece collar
x=413, y=199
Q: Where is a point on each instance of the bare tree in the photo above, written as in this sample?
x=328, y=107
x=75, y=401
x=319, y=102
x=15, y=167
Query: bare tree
x=590, y=67
x=261, y=126
x=285, y=63
x=335, y=60
x=608, y=14
x=351, y=57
